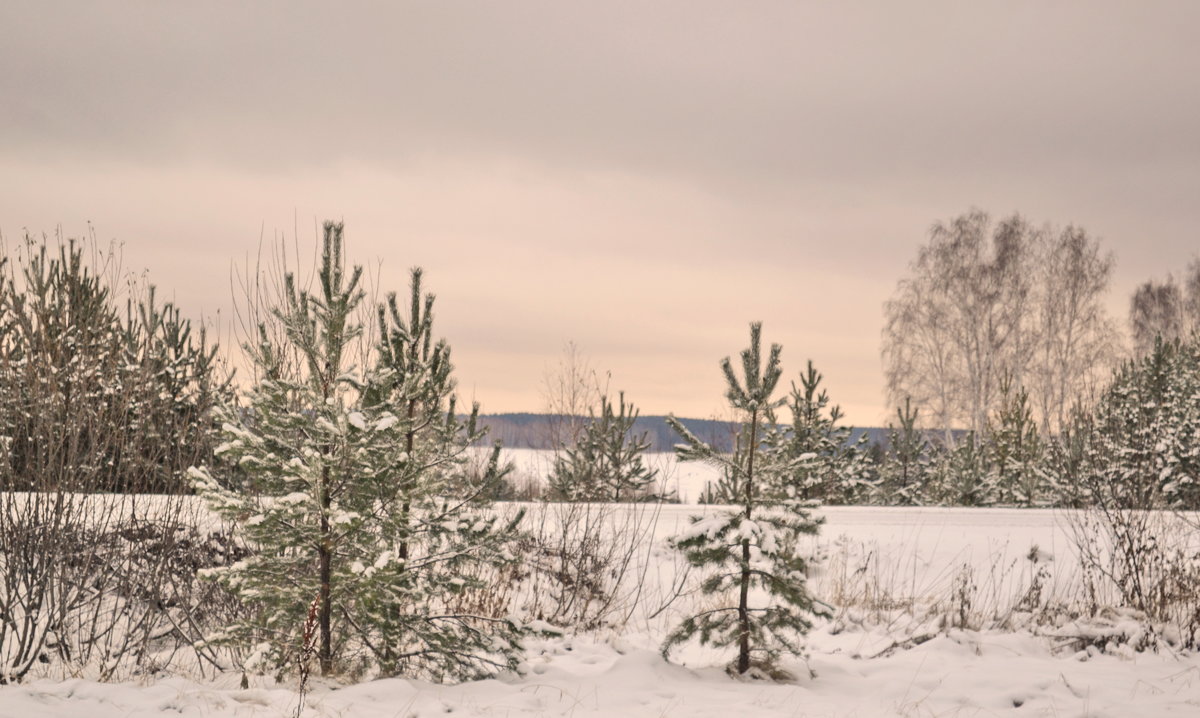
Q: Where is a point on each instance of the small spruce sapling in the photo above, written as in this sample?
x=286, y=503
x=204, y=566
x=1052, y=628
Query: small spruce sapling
x=752, y=551
x=1066, y=460
x=964, y=470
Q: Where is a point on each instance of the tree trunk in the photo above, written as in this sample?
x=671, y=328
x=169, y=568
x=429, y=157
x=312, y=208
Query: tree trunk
x=743, y=599
x=325, y=567
x=325, y=616
x=409, y=444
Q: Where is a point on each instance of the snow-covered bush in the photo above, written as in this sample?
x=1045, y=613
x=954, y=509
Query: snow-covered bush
x=904, y=467
x=585, y=564
x=1145, y=448
x=1014, y=452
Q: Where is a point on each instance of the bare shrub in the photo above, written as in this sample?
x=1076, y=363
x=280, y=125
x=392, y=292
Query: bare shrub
x=897, y=592
x=107, y=584
x=1144, y=561
x=523, y=486
x=37, y=589
x=569, y=389
x=586, y=564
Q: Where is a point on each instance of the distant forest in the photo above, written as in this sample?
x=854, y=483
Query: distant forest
x=533, y=431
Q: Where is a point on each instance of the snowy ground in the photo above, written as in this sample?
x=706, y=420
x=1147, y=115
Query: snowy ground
x=960, y=674
x=875, y=557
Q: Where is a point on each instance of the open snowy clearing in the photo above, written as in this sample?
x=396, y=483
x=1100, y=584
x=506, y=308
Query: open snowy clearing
x=867, y=662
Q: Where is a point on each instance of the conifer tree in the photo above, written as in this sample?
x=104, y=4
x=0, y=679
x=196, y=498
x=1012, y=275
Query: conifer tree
x=964, y=481
x=830, y=467
x=757, y=545
x=1015, y=449
x=346, y=513
x=102, y=397
x=606, y=463
x=905, y=469
x=1067, y=459
x=1142, y=450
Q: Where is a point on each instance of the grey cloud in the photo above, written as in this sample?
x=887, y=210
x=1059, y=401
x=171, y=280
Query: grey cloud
x=774, y=91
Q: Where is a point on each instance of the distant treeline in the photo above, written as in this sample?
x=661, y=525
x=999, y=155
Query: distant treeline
x=533, y=431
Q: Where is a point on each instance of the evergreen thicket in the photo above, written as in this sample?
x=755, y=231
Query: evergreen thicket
x=1135, y=449
x=1141, y=447
x=98, y=392
x=830, y=466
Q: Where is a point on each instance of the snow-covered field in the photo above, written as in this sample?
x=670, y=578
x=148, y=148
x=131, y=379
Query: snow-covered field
x=895, y=648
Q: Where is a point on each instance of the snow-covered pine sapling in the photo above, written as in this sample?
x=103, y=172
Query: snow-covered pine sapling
x=753, y=551
x=606, y=463
x=831, y=467
x=961, y=473
x=1015, y=449
x=345, y=498
x=417, y=620
x=905, y=465
x=304, y=504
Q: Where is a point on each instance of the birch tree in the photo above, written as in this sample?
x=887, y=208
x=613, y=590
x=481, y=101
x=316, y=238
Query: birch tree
x=992, y=299
x=1164, y=309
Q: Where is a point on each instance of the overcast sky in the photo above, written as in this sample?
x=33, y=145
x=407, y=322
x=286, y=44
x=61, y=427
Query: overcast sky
x=641, y=178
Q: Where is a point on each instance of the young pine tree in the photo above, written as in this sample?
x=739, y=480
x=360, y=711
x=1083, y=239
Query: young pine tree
x=829, y=467
x=1067, y=460
x=755, y=547
x=1015, y=450
x=606, y=462
x=906, y=464
x=345, y=507
x=964, y=478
